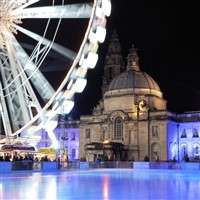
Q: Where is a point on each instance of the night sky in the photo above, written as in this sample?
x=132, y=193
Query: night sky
x=168, y=42
x=166, y=34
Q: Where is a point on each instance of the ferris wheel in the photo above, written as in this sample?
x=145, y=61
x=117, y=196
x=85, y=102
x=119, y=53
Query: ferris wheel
x=32, y=32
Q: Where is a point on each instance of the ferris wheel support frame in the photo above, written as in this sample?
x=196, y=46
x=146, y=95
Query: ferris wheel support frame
x=18, y=91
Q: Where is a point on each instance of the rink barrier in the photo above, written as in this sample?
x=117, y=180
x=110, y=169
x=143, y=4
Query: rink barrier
x=53, y=166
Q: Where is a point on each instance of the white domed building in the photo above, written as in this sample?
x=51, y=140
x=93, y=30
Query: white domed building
x=131, y=121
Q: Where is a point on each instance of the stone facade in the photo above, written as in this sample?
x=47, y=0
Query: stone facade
x=131, y=121
x=131, y=115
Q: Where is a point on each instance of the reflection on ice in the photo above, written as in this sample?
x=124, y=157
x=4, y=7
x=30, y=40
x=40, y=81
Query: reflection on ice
x=101, y=184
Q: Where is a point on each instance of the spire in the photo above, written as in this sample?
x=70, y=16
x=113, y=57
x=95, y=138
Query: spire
x=132, y=60
x=114, y=37
x=114, y=63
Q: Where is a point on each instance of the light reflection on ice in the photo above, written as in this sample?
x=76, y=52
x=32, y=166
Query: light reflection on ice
x=101, y=184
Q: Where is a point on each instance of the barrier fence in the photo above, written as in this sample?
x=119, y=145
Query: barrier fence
x=75, y=165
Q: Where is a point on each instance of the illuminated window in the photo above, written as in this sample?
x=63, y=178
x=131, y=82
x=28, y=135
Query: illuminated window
x=118, y=128
x=73, y=136
x=129, y=136
x=196, y=152
x=184, y=152
x=73, y=153
x=154, y=131
x=87, y=133
x=195, y=133
x=156, y=151
x=184, y=134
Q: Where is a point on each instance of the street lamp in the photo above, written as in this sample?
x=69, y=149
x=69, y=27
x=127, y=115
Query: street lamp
x=104, y=142
x=178, y=140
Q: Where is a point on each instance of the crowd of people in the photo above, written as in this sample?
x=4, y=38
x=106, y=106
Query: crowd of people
x=26, y=156
x=5, y=157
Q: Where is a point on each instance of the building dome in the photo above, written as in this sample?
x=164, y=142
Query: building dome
x=133, y=79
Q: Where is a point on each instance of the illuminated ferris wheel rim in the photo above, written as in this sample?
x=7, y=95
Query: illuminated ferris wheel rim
x=94, y=35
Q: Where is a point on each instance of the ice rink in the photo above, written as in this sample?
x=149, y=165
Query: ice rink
x=101, y=184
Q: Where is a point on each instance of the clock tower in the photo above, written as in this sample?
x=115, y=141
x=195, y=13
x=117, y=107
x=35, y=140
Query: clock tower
x=114, y=63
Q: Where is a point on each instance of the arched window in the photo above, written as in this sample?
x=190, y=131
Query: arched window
x=195, y=133
x=184, y=134
x=118, y=129
x=156, y=151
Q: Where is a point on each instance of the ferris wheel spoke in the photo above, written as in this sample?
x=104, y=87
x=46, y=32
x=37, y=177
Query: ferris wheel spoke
x=15, y=95
x=56, y=47
x=33, y=72
x=22, y=81
x=54, y=12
